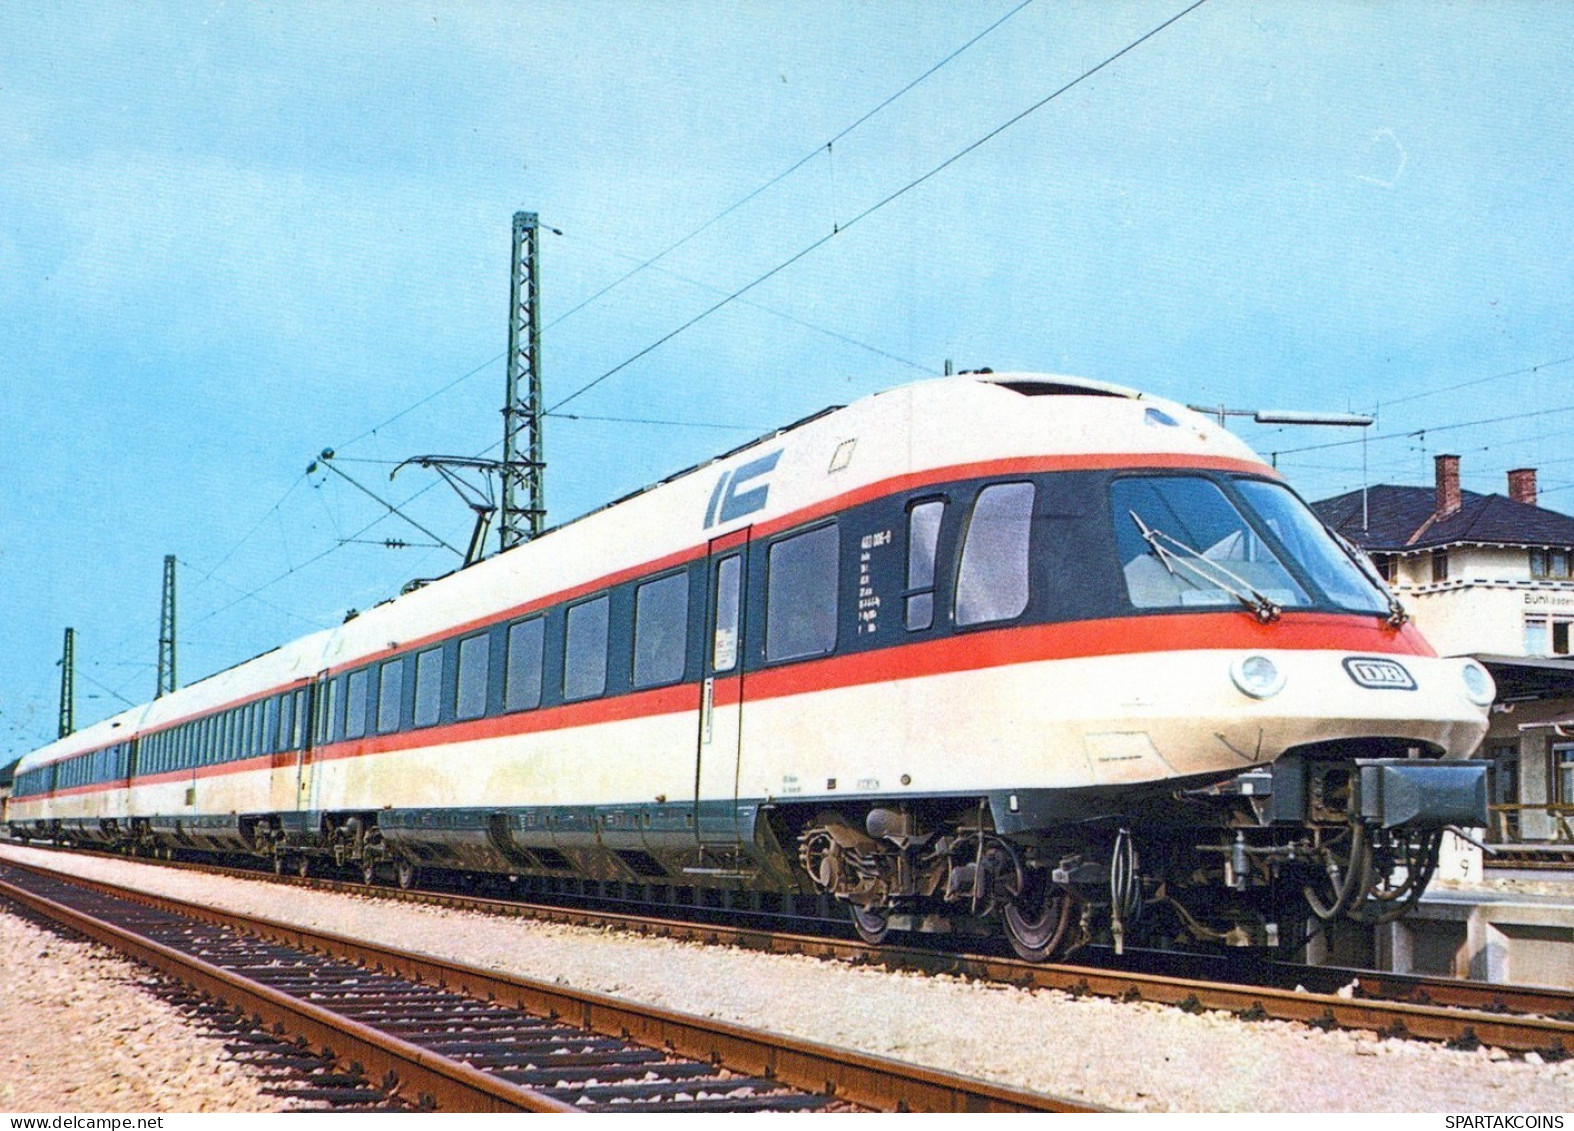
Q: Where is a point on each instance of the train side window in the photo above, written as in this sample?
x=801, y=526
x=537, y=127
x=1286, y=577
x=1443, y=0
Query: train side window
x=724, y=641
x=428, y=686
x=661, y=621
x=800, y=594
x=355, y=705
x=585, y=650
x=992, y=580
x=522, y=677
x=390, y=696
x=306, y=706
x=923, y=537
x=475, y=658
x=259, y=724
x=330, y=698
x=287, y=720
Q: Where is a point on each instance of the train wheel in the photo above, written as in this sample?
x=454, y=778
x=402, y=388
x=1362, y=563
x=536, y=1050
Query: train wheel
x=1038, y=922
x=368, y=872
x=408, y=874
x=872, y=926
x=278, y=865
x=303, y=866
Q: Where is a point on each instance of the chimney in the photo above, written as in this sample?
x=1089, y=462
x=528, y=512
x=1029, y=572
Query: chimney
x=1448, y=501
x=1522, y=485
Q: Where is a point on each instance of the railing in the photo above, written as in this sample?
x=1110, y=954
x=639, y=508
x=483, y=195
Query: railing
x=1507, y=825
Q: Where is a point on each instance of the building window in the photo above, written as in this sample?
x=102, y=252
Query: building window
x=992, y=580
x=1563, y=774
x=1548, y=635
x=661, y=619
x=585, y=650
x=800, y=595
x=923, y=538
x=1387, y=566
x=1439, y=565
x=1550, y=564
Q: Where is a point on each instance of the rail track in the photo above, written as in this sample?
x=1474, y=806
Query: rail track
x=1457, y=1012
x=443, y=1035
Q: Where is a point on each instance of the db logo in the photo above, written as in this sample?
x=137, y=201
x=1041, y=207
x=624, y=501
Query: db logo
x=1369, y=671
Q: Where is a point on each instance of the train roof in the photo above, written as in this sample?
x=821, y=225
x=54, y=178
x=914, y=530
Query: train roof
x=969, y=420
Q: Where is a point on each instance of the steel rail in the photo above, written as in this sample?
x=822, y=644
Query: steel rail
x=856, y=1078
x=435, y=1081
x=1421, y=1007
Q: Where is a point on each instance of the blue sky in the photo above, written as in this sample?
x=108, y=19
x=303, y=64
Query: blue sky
x=232, y=235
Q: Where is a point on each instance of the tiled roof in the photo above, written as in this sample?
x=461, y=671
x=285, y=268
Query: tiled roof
x=1401, y=518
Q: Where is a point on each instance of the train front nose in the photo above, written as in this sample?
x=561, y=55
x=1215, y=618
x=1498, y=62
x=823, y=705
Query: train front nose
x=1439, y=705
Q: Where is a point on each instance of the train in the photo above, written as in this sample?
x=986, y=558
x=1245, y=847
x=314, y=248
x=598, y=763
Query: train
x=1006, y=653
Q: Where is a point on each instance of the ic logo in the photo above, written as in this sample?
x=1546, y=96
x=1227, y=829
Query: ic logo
x=742, y=491
x=1369, y=671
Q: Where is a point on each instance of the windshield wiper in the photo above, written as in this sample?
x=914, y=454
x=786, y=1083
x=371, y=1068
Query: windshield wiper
x=1210, y=571
x=1397, y=615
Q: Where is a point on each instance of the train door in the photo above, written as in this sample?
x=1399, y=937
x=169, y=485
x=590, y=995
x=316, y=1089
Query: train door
x=721, y=690
x=317, y=706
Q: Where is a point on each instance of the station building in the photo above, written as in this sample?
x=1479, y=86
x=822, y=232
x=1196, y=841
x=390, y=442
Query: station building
x=1489, y=576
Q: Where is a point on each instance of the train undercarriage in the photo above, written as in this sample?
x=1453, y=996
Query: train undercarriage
x=1322, y=834
x=1318, y=836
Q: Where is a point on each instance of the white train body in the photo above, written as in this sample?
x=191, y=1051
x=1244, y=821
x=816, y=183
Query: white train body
x=980, y=594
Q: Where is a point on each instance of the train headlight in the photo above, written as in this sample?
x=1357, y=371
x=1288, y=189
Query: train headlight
x=1479, y=688
x=1257, y=676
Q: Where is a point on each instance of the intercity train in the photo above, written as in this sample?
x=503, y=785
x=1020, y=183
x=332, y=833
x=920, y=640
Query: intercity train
x=992, y=652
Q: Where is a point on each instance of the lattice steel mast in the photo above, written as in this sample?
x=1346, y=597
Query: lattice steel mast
x=166, y=632
x=524, y=502
x=68, y=684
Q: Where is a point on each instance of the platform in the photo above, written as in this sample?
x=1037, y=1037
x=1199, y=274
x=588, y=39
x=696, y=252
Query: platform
x=1508, y=927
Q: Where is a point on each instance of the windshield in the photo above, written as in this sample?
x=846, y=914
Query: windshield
x=1332, y=570
x=1182, y=543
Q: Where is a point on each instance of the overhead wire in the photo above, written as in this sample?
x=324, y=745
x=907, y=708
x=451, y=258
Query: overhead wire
x=823, y=147
x=775, y=313
x=727, y=300
x=664, y=423
x=718, y=217
x=1427, y=431
x=1476, y=381
x=840, y=228
x=643, y=265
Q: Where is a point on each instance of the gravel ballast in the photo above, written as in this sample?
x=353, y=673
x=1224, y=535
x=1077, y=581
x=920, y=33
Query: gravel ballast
x=1131, y=1056
x=81, y=1031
